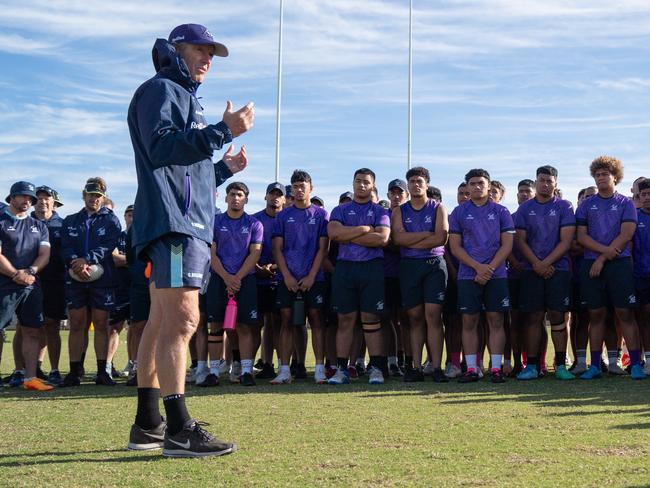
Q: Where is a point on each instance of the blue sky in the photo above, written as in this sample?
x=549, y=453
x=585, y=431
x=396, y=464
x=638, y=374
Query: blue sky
x=503, y=85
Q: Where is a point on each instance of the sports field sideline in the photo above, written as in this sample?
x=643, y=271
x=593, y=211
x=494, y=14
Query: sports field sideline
x=542, y=433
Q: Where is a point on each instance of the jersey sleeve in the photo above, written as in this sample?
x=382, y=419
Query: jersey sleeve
x=278, y=226
x=323, y=225
x=45, y=235
x=629, y=212
x=567, y=217
x=257, y=234
x=336, y=215
x=505, y=220
x=581, y=214
x=454, y=224
x=381, y=218
x=520, y=220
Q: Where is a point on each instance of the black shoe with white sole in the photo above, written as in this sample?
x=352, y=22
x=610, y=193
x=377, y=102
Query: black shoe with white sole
x=147, y=439
x=194, y=441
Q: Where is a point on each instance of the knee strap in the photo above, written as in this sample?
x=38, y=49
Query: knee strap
x=370, y=327
x=559, y=327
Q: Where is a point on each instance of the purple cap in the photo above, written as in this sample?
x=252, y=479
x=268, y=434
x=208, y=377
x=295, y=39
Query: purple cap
x=196, y=34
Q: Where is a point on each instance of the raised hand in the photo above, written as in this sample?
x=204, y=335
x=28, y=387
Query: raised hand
x=235, y=162
x=240, y=121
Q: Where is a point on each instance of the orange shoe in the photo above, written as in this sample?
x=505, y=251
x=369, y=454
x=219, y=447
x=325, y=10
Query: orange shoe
x=36, y=384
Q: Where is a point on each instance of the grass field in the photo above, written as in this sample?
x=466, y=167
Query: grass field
x=543, y=433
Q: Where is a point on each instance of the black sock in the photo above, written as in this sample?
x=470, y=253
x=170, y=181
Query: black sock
x=148, y=414
x=83, y=358
x=39, y=364
x=75, y=367
x=101, y=366
x=400, y=359
x=375, y=361
x=619, y=354
x=342, y=363
x=408, y=361
x=517, y=360
x=195, y=363
x=176, y=411
x=235, y=355
x=560, y=358
x=533, y=361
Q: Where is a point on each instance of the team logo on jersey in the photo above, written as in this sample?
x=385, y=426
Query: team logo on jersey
x=469, y=217
x=532, y=212
x=33, y=229
x=223, y=229
x=593, y=207
x=290, y=220
x=641, y=224
x=408, y=220
x=613, y=207
x=631, y=299
x=371, y=213
x=101, y=231
x=254, y=314
x=198, y=112
x=11, y=228
x=312, y=221
x=427, y=219
x=245, y=230
x=352, y=212
x=552, y=213
x=492, y=216
x=380, y=305
x=197, y=125
x=505, y=302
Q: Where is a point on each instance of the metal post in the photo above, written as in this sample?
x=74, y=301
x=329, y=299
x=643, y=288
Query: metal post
x=410, y=122
x=279, y=97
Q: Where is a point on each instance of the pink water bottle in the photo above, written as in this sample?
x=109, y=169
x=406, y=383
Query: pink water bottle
x=230, y=318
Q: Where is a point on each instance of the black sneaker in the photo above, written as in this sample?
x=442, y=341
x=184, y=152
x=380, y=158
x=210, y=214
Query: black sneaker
x=210, y=380
x=71, y=379
x=54, y=377
x=267, y=372
x=194, y=441
x=133, y=380
x=40, y=374
x=259, y=364
x=104, y=379
x=247, y=380
x=439, y=376
x=395, y=370
x=17, y=379
x=413, y=375
x=301, y=371
x=518, y=368
x=470, y=376
x=147, y=439
x=115, y=373
x=496, y=376
x=361, y=370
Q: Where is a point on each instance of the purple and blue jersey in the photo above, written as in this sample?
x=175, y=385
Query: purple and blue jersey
x=480, y=229
x=301, y=230
x=234, y=238
x=642, y=246
x=542, y=223
x=267, y=246
x=354, y=214
x=20, y=242
x=423, y=220
x=603, y=218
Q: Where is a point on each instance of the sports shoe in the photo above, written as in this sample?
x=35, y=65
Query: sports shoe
x=235, y=372
x=133, y=380
x=247, y=380
x=361, y=369
x=40, y=374
x=104, y=379
x=200, y=376
x=615, y=368
x=128, y=369
x=452, y=371
x=320, y=378
x=194, y=441
x=637, y=373
x=413, y=375
x=300, y=372
x=17, y=379
x=507, y=369
x=224, y=368
x=341, y=377
x=375, y=376
x=646, y=368
x=439, y=376
x=592, y=373
x=561, y=373
x=395, y=370
x=518, y=368
x=71, y=379
x=353, y=373
x=210, y=379
x=283, y=378
x=470, y=376
x=259, y=365
x=496, y=376
x=146, y=439
x=329, y=371
x=190, y=377
x=529, y=373
x=578, y=368
x=38, y=385
x=54, y=378
x=427, y=369
x=266, y=372
x=115, y=374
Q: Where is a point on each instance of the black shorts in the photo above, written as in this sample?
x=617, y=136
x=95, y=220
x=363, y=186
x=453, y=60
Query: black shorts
x=140, y=303
x=451, y=297
x=491, y=297
x=358, y=286
x=615, y=285
x=54, y=305
x=514, y=287
x=538, y=294
x=422, y=281
x=25, y=302
x=392, y=294
x=643, y=291
x=119, y=314
x=266, y=296
x=314, y=298
x=246, y=300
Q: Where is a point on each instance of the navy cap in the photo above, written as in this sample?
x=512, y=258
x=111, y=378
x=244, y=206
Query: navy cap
x=129, y=208
x=347, y=194
x=94, y=188
x=275, y=186
x=397, y=183
x=22, y=188
x=196, y=34
x=288, y=191
x=51, y=192
x=317, y=201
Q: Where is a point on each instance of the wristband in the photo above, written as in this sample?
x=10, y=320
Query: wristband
x=15, y=274
x=31, y=270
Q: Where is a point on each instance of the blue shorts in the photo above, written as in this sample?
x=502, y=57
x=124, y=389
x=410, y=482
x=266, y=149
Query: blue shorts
x=491, y=297
x=614, y=286
x=246, y=299
x=422, y=280
x=25, y=302
x=140, y=303
x=179, y=261
x=82, y=295
x=54, y=305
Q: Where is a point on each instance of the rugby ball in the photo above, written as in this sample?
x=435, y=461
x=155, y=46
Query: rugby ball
x=96, y=272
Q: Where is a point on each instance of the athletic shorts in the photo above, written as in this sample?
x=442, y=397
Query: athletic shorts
x=82, y=295
x=491, y=297
x=514, y=287
x=266, y=296
x=54, y=300
x=538, y=294
x=451, y=297
x=179, y=261
x=26, y=303
x=246, y=300
x=358, y=286
x=119, y=314
x=422, y=281
x=576, y=301
x=392, y=293
x=314, y=298
x=643, y=290
x=615, y=285
x=140, y=303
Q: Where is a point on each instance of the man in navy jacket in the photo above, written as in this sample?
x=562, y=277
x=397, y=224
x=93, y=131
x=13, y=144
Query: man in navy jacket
x=174, y=216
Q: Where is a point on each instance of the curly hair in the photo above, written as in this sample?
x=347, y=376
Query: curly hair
x=610, y=164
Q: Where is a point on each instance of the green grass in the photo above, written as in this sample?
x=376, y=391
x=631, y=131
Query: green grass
x=542, y=433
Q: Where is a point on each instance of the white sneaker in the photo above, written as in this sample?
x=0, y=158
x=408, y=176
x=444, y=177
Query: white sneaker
x=341, y=377
x=479, y=370
x=616, y=369
x=200, y=376
x=376, y=377
x=235, y=372
x=224, y=368
x=646, y=368
x=427, y=370
x=319, y=376
x=128, y=369
x=190, y=377
x=283, y=378
x=452, y=371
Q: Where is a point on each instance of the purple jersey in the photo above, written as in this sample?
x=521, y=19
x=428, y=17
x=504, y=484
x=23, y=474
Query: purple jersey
x=391, y=259
x=267, y=248
x=542, y=223
x=603, y=218
x=301, y=229
x=423, y=220
x=642, y=245
x=234, y=237
x=355, y=214
x=480, y=229
x=513, y=274
x=20, y=242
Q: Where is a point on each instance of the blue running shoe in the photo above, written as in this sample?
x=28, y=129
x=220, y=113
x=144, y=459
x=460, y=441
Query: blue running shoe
x=637, y=372
x=341, y=377
x=528, y=373
x=592, y=373
x=17, y=379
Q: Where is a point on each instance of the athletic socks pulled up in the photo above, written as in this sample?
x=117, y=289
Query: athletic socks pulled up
x=247, y=366
x=148, y=413
x=176, y=411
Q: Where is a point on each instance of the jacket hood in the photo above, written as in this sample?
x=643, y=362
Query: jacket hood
x=169, y=64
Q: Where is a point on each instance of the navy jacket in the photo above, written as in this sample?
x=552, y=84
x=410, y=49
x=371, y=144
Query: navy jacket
x=173, y=148
x=92, y=238
x=55, y=269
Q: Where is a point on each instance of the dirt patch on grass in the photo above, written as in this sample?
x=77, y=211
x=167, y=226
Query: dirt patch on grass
x=622, y=451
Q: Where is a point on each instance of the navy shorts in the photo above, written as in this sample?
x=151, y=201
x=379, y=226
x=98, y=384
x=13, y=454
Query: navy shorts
x=451, y=297
x=26, y=303
x=422, y=281
x=314, y=298
x=538, y=294
x=266, y=295
x=358, y=286
x=615, y=285
x=54, y=304
x=246, y=300
x=491, y=297
x=82, y=295
x=392, y=293
x=514, y=287
x=140, y=304
x=179, y=261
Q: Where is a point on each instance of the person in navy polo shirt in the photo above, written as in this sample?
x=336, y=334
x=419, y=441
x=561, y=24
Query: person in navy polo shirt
x=24, y=252
x=606, y=225
x=480, y=236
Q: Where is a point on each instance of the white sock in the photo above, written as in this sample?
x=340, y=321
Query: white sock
x=320, y=368
x=201, y=366
x=361, y=362
x=135, y=365
x=214, y=366
x=246, y=366
x=392, y=360
x=285, y=369
x=496, y=361
x=109, y=367
x=471, y=361
x=647, y=357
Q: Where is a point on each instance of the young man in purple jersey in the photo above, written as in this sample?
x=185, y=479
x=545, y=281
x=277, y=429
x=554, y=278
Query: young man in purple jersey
x=481, y=235
x=299, y=247
x=362, y=229
x=641, y=258
x=266, y=271
x=235, y=250
x=545, y=229
x=420, y=228
x=606, y=225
